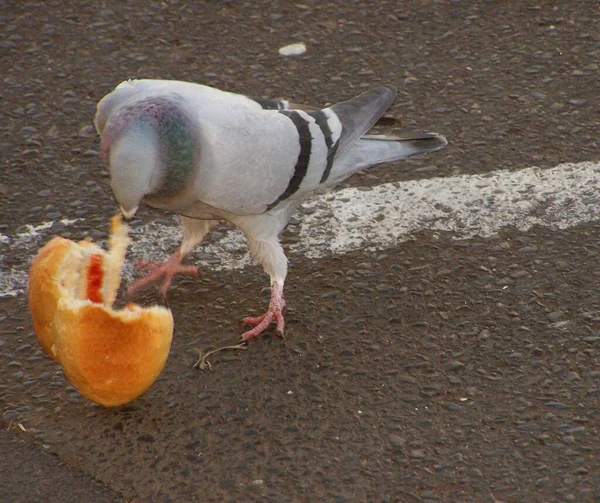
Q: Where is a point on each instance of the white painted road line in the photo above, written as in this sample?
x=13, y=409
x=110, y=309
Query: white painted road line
x=467, y=206
x=381, y=217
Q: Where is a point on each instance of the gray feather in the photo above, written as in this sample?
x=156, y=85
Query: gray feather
x=407, y=146
x=359, y=114
x=371, y=150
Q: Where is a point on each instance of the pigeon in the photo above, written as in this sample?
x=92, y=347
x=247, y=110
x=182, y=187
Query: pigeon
x=210, y=155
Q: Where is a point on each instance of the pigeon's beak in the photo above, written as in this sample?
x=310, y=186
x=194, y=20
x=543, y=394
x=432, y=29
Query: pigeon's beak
x=129, y=214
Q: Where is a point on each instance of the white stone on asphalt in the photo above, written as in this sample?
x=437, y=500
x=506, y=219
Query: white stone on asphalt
x=293, y=49
x=464, y=206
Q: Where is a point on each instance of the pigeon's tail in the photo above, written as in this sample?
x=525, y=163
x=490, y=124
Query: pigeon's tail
x=373, y=149
x=359, y=114
x=382, y=148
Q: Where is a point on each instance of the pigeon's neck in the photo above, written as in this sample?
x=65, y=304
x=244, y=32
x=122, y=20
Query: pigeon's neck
x=178, y=152
x=154, y=139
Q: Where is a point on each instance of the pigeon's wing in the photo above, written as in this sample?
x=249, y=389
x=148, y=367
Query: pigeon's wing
x=286, y=154
x=253, y=161
x=344, y=124
x=281, y=104
x=359, y=114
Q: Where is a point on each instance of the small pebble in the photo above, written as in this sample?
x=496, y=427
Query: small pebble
x=454, y=365
x=397, y=442
x=555, y=316
x=556, y=405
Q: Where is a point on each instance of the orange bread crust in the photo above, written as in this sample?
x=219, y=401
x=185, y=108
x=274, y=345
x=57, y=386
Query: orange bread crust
x=111, y=356
x=45, y=291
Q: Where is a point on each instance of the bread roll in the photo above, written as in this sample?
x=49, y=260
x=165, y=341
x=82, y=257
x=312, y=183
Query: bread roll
x=111, y=356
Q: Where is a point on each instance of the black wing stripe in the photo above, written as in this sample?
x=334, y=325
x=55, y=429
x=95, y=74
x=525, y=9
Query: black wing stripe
x=321, y=119
x=301, y=167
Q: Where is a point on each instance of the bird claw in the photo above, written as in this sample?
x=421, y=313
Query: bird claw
x=261, y=323
x=157, y=270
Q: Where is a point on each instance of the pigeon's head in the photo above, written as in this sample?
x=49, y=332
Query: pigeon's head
x=133, y=162
x=149, y=150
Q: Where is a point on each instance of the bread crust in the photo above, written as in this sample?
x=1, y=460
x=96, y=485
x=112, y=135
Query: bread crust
x=45, y=290
x=110, y=356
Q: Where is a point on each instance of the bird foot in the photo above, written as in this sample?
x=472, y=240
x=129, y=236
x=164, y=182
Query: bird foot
x=158, y=270
x=274, y=313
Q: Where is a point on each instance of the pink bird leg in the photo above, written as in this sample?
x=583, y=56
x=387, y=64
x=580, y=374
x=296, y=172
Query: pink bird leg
x=274, y=313
x=157, y=270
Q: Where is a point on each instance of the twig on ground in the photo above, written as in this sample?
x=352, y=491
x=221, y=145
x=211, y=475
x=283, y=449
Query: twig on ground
x=202, y=363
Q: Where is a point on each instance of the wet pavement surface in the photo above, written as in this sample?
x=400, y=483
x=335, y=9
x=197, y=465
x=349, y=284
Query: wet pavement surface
x=436, y=370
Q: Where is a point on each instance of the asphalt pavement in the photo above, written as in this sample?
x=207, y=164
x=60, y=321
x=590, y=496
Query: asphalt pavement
x=428, y=365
